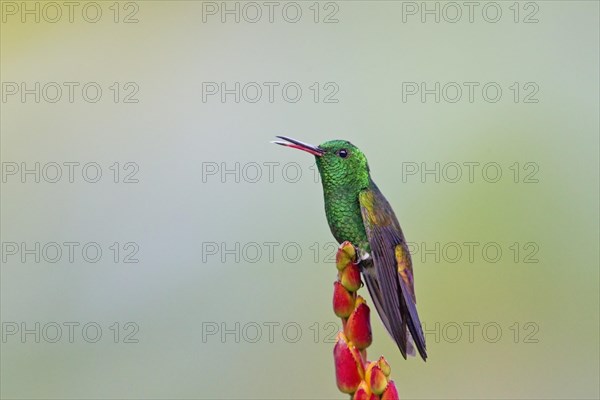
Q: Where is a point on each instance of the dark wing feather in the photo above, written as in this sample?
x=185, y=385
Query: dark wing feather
x=408, y=294
x=396, y=295
x=372, y=282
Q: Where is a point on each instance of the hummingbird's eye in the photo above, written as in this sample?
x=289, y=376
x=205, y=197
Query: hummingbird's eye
x=343, y=153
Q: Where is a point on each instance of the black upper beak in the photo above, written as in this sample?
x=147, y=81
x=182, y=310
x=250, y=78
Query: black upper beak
x=296, y=144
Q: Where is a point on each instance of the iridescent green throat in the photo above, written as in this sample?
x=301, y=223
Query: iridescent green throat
x=341, y=187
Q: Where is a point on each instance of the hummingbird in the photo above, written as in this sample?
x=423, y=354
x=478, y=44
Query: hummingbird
x=357, y=212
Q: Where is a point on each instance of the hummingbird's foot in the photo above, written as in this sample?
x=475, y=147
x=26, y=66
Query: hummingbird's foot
x=362, y=255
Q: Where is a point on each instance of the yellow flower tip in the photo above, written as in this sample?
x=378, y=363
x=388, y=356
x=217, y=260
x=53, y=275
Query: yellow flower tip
x=346, y=255
x=360, y=300
x=384, y=365
x=376, y=379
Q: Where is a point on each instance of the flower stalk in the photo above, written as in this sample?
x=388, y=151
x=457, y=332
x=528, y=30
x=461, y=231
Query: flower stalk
x=355, y=375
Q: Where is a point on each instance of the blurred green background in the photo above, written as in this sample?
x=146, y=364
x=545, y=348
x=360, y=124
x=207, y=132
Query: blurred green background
x=186, y=287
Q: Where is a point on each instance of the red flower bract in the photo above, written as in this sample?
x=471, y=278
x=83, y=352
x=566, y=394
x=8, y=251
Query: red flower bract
x=343, y=301
x=348, y=366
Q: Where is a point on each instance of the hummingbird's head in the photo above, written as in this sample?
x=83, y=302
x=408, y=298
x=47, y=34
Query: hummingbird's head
x=341, y=164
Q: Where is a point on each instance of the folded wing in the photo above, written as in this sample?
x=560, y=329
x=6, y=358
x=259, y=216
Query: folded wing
x=390, y=279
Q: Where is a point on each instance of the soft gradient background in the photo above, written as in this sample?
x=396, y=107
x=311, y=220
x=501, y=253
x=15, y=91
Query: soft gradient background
x=171, y=293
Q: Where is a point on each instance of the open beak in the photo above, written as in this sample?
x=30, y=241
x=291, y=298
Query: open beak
x=296, y=144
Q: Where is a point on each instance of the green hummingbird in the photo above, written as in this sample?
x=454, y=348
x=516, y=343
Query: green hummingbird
x=358, y=212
